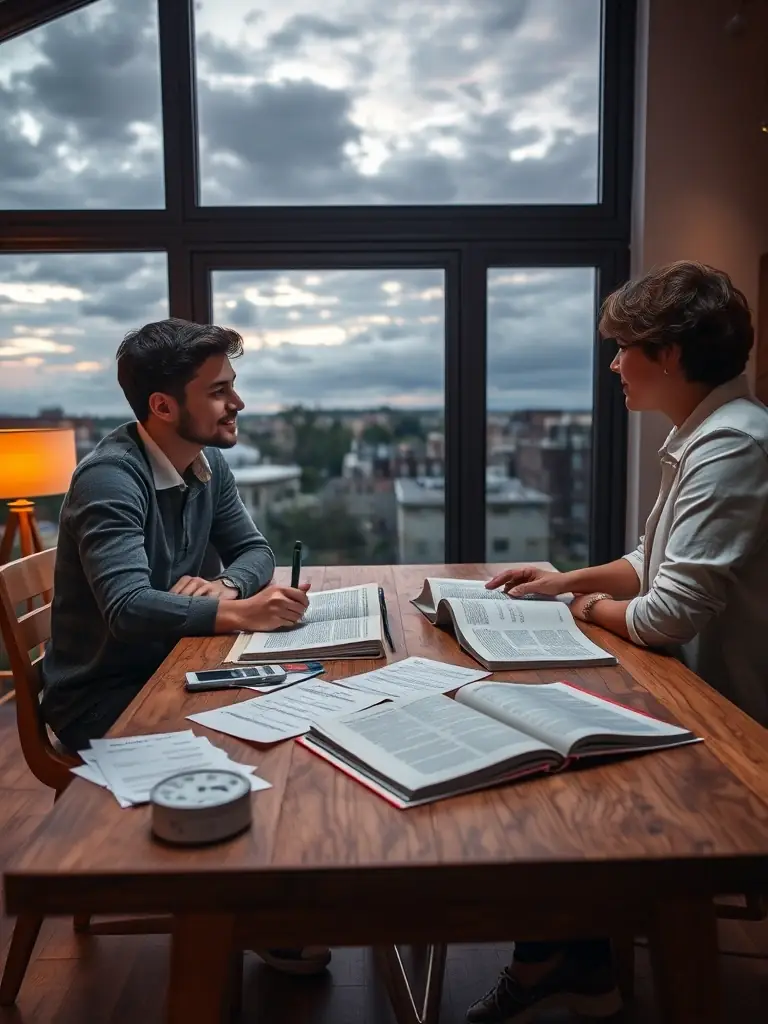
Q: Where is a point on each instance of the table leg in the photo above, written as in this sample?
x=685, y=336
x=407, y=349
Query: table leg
x=200, y=987
x=683, y=945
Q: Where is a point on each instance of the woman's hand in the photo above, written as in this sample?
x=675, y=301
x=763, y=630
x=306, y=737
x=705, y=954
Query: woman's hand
x=529, y=580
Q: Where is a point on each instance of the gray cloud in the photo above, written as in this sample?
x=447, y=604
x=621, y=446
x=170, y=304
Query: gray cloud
x=468, y=83
x=83, y=302
x=471, y=86
x=80, y=121
x=296, y=30
x=385, y=345
x=541, y=337
x=290, y=137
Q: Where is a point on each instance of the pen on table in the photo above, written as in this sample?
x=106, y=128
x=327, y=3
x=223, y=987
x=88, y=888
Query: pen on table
x=385, y=618
x=296, y=564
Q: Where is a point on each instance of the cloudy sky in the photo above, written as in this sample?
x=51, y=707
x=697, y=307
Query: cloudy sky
x=410, y=101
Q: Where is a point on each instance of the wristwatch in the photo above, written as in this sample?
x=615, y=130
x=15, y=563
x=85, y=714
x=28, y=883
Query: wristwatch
x=589, y=604
x=230, y=583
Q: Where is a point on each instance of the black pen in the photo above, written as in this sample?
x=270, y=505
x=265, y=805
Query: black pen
x=385, y=618
x=296, y=564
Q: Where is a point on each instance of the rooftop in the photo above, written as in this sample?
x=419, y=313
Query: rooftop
x=265, y=474
x=429, y=492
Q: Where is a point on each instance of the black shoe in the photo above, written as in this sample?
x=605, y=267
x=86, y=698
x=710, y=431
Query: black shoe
x=302, y=960
x=591, y=994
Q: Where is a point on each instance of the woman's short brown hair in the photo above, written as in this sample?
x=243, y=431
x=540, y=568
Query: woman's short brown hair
x=688, y=304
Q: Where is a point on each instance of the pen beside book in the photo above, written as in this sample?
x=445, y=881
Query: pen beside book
x=385, y=619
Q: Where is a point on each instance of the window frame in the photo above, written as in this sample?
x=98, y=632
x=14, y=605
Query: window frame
x=471, y=237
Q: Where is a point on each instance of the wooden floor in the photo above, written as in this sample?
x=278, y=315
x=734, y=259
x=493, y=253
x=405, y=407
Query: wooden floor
x=121, y=979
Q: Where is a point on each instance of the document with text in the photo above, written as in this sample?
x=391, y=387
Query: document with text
x=413, y=677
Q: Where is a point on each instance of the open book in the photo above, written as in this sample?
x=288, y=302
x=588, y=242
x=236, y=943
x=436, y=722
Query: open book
x=413, y=752
x=503, y=633
x=344, y=623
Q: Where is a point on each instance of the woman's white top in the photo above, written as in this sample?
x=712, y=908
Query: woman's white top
x=703, y=561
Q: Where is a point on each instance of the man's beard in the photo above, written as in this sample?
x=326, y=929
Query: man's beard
x=186, y=431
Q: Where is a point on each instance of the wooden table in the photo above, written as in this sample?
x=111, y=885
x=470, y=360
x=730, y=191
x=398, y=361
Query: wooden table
x=636, y=847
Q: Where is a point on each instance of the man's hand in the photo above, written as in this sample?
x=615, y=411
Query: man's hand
x=529, y=580
x=273, y=608
x=195, y=586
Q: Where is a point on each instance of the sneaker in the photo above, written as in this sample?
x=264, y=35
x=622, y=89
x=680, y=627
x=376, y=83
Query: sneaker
x=302, y=960
x=591, y=994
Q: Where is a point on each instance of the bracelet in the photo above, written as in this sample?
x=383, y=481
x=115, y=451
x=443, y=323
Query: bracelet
x=590, y=603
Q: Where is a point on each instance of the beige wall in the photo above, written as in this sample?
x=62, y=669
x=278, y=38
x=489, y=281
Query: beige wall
x=701, y=174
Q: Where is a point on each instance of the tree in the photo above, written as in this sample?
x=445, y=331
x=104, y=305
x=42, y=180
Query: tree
x=376, y=433
x=408, y=425
x=330, y=534
x=318, y=448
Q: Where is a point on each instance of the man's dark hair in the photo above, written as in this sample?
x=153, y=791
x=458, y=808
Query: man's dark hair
x=688, y=304
x=165, y=356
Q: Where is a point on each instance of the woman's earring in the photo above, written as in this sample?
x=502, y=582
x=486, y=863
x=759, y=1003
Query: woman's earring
x=666, y=372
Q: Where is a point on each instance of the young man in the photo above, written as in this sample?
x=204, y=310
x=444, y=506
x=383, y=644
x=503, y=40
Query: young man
x=137, y=526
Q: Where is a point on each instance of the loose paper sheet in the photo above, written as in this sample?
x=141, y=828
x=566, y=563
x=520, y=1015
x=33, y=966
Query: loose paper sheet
x=286, y=714
x=413, y=677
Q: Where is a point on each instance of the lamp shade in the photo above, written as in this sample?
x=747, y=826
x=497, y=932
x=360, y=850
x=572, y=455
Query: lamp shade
x=36, y=463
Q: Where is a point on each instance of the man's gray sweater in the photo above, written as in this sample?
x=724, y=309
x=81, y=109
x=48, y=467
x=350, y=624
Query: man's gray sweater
x=122, y=546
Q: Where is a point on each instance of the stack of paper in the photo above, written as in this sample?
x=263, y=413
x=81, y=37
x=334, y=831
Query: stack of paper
x=129, y=767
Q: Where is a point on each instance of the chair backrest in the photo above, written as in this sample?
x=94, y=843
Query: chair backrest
x=21, y=582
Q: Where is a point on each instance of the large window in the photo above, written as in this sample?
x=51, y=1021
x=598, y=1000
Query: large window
x=410, y=210
x=410, y=101
x=539, y=442
x=62, y=317
x=80, y=104
x=343, y=383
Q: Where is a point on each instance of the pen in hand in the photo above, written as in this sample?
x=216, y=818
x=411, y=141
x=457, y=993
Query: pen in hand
x=385, y=618
x=296, y=564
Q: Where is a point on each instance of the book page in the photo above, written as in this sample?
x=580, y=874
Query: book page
x=520, y=631
x=562, y=716
x=436, y=589
x=427, y=741
x=313, y=634
x=413, y=677
x=344, y=603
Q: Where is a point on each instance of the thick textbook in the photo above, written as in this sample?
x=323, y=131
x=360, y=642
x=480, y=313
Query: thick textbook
x=417, y=751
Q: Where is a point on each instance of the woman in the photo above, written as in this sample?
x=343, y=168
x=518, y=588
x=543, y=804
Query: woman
x=697, y=584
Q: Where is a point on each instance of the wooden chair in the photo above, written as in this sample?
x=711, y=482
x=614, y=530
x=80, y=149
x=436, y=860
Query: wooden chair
x=22, y=582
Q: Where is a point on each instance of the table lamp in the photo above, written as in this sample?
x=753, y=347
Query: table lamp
x=34, y=463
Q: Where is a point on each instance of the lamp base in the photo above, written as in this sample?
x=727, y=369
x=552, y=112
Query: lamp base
x=21, y=520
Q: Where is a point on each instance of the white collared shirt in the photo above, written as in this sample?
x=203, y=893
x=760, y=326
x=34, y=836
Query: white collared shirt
x=703, y=561
x=164, y=473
